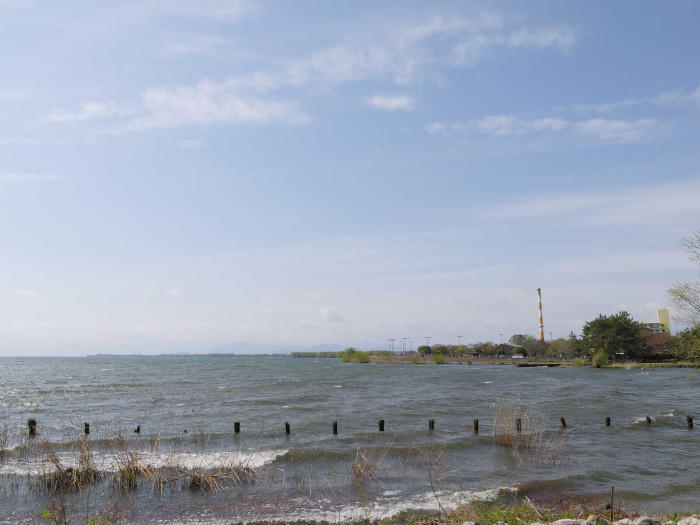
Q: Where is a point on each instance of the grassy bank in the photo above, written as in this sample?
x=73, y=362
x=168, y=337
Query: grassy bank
x=428, y=360
x=491, y=513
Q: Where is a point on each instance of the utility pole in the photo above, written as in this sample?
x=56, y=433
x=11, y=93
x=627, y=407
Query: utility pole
x=459, y=340
x=427, y=340
x=501, y=336
x=550, y=337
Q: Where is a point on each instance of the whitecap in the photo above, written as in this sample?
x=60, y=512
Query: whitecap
x=337, y=386
x=389, y=506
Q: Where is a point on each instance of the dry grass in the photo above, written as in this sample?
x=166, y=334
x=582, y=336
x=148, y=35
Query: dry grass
x=531, y=438
x=62, y=478
x=128, y=466
x=366, y=466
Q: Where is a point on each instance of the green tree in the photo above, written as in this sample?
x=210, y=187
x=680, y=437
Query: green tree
x=561, y=348
x=519, y=339
x=687, y=344
x=686, y=294
x=425, y=350
x=614, y=334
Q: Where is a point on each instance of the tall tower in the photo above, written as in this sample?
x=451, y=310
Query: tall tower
x=539, y=308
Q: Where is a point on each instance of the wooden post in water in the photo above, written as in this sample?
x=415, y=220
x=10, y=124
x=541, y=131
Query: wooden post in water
x=431, y=424
x=689, y=420
x=381, y=425
x=287, y=429
x=607, y=421
x=562, y=422
x=518, y=425
x=476, y=426
x=335, y=428
x=612, y=503
x=31, y=423
x=648, y=420
x=87, y=429
x=237, y=427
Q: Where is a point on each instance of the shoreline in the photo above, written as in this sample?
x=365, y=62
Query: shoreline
x=524, y=363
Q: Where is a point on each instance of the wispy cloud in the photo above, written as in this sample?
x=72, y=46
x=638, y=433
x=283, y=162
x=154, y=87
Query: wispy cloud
x=620, y=130
x=190, y=143
x=679, y=98
x=676, y=98
x=502, y=125
x=443, y=128
x=396, y=54
x=208, y=102
x=475, y=45
x=391, y=102
x=606, y=130
x=665, y=203
x=90, y=111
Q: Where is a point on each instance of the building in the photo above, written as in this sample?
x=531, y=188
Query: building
x=662, y=324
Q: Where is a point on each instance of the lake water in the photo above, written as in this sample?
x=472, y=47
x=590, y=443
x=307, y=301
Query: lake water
x=654, y=467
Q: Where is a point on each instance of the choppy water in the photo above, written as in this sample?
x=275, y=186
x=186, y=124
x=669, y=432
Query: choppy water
x=308, y=473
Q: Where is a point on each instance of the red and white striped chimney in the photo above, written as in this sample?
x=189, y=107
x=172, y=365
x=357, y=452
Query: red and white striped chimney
x=539, y=308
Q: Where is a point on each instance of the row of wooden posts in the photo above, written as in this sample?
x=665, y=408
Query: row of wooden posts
x=431, y=425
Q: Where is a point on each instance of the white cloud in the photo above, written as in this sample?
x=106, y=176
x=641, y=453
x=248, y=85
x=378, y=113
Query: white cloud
x=620, y=130
x=443, y=128
x=475, y=45
x=397, y=54
x=18, y=178
x=679, y=98
x=330, y=315
x=190, y=143
x=391, y=102
x=502, y=125
x=607, y=107
x=209, y=102
x=90, y=111
x=657, y=204
x=557, y=37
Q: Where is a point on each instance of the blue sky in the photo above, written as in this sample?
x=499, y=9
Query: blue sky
x=179, y=175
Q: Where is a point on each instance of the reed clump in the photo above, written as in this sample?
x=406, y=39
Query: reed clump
x=365, y=466
x=522, y=430
x=62, y=477
x=128, y=466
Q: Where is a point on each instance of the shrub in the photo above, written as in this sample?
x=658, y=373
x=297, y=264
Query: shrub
x=415, y=359
x=438, y=358
x=350, y=355
x=600, y=358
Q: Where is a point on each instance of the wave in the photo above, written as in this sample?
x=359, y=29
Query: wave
x=385, y=506
x=37, y=465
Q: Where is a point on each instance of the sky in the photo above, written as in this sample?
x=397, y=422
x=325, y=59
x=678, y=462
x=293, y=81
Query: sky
x=175, y=175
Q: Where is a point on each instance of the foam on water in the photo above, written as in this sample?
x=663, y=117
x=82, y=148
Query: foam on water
x=35, y=466
x=389, y=504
